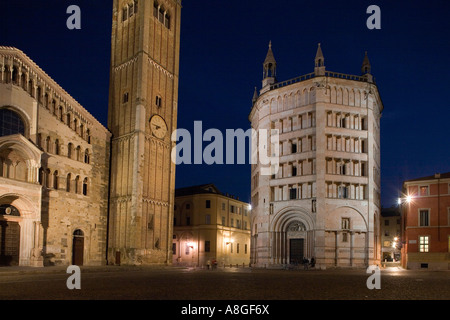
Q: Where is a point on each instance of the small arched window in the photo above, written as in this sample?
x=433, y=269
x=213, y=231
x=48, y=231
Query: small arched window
x=41, y=176
x=48, y=144
x=47, y=178
x=85, y=186
x=78, y=233
x=57, y=151
x=10, y=123
x=167, y=21
x=77, y=184
x=69, y=150
x=86, y=156
x=78, y=153
x=68, y=179
x=55, y=180
x=61, y=113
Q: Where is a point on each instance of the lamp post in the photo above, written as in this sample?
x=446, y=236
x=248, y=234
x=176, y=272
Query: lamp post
x=403, y=214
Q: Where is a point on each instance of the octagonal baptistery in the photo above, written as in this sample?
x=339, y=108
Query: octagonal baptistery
x=321, y=196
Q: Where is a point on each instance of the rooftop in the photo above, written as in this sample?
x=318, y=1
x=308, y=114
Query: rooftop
x=208, y=188
x=433, y=177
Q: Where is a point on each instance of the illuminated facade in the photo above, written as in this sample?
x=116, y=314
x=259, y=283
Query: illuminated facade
x=324, y=201
x=426, y=222
x=209, y=225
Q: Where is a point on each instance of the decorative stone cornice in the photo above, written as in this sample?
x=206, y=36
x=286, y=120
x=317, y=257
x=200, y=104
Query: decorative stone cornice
x=157, y=202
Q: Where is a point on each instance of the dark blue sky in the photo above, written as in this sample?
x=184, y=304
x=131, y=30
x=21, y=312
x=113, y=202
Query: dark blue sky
x=223, y=45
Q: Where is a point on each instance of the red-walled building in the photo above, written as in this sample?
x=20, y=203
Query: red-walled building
x=426, y=222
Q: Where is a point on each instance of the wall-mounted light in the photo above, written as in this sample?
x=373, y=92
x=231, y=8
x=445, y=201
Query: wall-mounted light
x=229, y=241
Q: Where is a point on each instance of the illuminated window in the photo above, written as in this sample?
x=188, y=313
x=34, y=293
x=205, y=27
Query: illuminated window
x=424, y=244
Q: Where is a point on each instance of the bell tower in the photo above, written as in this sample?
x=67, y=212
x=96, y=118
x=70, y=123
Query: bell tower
x=142, y=114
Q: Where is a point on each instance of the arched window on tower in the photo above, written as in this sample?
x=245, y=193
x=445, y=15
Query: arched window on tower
x=125, y=13
x=167, y=20
x=155, y=9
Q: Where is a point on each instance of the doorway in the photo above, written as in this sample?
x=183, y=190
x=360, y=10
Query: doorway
x=78, y=248
x=296, y=247
x=9, y=243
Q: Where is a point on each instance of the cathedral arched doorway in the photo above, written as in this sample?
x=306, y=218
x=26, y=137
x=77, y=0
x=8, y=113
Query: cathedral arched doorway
x=9, y=236
x=78, y=248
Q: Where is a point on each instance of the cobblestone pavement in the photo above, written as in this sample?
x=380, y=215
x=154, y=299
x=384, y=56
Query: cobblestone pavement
x=170, y=283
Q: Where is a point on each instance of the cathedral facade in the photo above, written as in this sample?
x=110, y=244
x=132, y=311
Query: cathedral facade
x=323, y=200
x=54, y=171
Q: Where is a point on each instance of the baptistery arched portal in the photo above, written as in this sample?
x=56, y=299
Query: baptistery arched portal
x=292, y=237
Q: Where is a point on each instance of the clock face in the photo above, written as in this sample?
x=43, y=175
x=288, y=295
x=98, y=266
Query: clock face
x=158, y=126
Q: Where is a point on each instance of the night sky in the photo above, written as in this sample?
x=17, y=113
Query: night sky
x=223, y=46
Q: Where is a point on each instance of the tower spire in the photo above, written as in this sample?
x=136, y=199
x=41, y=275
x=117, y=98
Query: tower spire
x=270, y=64
x=269, y=68
x=365, y=68
x=255, y=96
x=319, y=62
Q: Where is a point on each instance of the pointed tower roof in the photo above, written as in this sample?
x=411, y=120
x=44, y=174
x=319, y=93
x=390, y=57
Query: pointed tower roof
x=319, y=62
x=270, y=58
x=365, y=68
x=255, y=95
x=319, y=55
